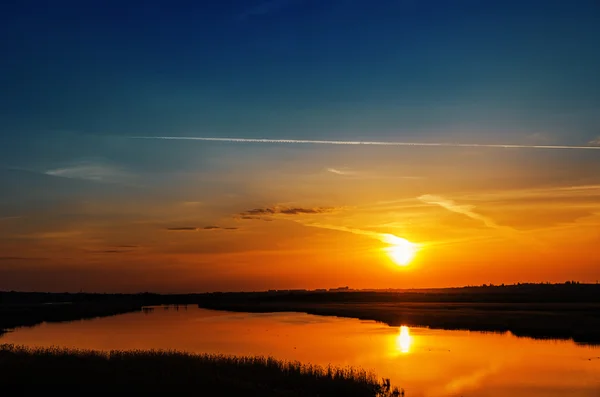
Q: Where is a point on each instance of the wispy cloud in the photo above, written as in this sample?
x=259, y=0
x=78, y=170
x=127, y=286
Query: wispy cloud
x=552, y=192
x=213, y=227
x=274, y=210
x=366, y=175
x=90, y=171
x=384, y=237
x=341, y=172
x=468, y=210
x=195, y=229
x=67, y=234
x=458, y=208
x=9, y=218
x=266, y=7
x=112, y=251
x=19, y=258
x=366, y=143
x=594, y=142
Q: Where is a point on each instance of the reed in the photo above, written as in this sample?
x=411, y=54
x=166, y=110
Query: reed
x=71, y=371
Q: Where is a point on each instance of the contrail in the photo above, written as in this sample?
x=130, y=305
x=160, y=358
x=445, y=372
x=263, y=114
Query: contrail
x=372, y=143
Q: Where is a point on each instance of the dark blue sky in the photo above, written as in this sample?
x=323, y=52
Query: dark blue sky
x=300, y=68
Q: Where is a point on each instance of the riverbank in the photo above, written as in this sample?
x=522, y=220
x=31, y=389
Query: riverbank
x=66, y=371
x=544, y=312
x=558, y=311
x=29, y=314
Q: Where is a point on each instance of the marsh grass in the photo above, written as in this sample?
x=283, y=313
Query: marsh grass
x=24, y=370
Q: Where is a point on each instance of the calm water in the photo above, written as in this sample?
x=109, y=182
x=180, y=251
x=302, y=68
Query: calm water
x=424, y=362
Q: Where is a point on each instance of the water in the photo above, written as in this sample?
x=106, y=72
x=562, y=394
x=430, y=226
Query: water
x=424, y=362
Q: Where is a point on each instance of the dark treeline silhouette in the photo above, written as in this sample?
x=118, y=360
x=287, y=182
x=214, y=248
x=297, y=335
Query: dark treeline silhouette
x=26, y=371
x=569, y=310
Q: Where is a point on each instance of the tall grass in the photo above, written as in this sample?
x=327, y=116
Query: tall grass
x=24, y=369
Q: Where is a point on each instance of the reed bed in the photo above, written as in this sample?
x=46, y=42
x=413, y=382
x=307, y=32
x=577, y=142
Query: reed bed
x=73, y=371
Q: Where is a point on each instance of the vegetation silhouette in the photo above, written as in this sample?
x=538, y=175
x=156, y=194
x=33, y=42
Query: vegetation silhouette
x=569, y=310
x=21, y=315
x=67, y=371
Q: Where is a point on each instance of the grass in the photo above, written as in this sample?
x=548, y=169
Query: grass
x=26, y=370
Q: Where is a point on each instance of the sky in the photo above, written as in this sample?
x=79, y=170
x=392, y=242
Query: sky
x=97, y=196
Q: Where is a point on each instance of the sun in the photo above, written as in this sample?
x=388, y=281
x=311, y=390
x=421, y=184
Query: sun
x=401, y=250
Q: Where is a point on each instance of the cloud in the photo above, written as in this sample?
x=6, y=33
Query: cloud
x=594, y=142
x=364, y=175
x=90, y=172
x=212, y=227
x=459, y=209
x=248, y=217
x=68, y=234
x=195, y=229
x=368, y=143
x=276, y=210
x=340, y=172
x=266, y=8
x=384, y=237
x=9, y=218
x=19, y=258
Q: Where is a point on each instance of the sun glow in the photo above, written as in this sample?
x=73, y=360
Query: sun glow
x=401, y=251
x=403, y=340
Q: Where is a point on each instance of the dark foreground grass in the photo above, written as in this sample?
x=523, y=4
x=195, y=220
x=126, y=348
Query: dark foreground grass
x=24, y=371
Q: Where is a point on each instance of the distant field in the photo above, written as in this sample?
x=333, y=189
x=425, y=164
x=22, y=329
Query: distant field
x=562, y=311
x=78, y=372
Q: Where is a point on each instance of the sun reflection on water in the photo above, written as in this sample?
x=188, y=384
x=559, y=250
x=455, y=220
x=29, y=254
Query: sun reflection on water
x=403, y=340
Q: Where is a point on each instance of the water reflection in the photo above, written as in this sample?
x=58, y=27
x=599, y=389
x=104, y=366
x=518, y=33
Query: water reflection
x=403, y=340
x=424, y=362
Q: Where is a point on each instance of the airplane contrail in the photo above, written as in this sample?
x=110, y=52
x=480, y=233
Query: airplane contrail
x=372, y=143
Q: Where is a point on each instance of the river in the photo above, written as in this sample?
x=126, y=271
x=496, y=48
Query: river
x=425, y=362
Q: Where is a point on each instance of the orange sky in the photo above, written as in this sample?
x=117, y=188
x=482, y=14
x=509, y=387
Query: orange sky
x=311, y=217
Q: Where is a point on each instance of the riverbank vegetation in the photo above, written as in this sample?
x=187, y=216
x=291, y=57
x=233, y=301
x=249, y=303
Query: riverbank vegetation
x=29, y=314
x=569, y=310
x=26, y=370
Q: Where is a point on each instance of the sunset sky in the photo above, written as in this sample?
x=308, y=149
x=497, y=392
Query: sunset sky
x=92, y=200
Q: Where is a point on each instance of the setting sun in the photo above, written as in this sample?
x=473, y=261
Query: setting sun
x=401, y=251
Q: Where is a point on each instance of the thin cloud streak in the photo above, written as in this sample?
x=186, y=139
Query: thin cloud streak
x=383, y=237
x=340, y=172
x=370, y=143
x=466, y=210
x=9, y=218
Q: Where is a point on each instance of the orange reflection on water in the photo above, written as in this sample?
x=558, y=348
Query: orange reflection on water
x=424, y=362
x=403, y=340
